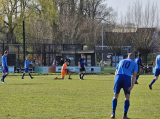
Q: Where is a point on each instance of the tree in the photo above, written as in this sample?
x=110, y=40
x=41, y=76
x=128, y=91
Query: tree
x=81, y=20
x=146, y=23
x=13, y=12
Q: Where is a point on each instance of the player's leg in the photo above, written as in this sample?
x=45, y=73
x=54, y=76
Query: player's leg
x=69, y=74
x=126, y=85
x=25, y=71
x=126, y=106
x=63, y=74
x=23, y=75
x=117, y=88
x=137, y=78
x=114, y=104
x=84, y=72
x=30, y=74
x=59, y=78
x=153, y=81
x=80, y=72
x=3, y=77
x=5, y=73
x=157, y=72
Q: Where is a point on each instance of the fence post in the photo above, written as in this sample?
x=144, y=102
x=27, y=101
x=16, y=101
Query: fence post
x=44, y=55
x=24, y=52
x=49, y=55
x=63, y=47
x=18, y=57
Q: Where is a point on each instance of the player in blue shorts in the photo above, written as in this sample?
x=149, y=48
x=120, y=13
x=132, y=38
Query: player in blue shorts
x=4, y=66
x=138, y=61
x=157, y=71
x=82, y=67
x=27, y=68
x=123, y=73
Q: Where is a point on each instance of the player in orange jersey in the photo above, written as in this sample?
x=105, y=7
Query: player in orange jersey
x=64, y=71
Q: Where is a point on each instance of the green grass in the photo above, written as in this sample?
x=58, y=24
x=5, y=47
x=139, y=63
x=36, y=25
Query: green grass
x=46, y=98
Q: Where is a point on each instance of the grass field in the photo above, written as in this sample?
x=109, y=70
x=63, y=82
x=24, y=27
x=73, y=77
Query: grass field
x=46, y=98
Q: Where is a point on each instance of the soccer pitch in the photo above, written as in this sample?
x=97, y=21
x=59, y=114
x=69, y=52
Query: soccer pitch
x=46, y=98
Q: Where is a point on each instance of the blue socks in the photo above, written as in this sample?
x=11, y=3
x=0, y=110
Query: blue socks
x=23, y=75
x=126, y=107
x=152, y=81
x=3, y=77
x=137, y=77
x=30, y=75
x=80, y=76
x=114, y=105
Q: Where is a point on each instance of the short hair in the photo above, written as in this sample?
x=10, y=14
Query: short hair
x=5, y=52
x=82, y=54
x=139, y=55
x=131, y=55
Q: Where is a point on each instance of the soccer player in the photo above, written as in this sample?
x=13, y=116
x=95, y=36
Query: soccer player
x=138, y=61
x=82, y=67
x=123, y=73
x=64, y=70
x=157, y=71
x=4, y=66
x=27, y=68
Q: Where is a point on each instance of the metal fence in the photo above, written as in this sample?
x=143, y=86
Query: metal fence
x=40, y=54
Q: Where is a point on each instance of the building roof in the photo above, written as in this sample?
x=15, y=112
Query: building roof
x=88, y=51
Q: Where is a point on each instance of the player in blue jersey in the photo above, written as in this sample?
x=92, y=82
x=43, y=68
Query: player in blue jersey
x=157, y=71
x=123, y=73
x=138, y=61
x=82, y=67
x=27, y=68
x=4, y=66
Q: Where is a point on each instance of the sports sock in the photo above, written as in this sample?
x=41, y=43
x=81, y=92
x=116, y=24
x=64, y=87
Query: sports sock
x=80, y=76
x=5, y=75
x=23, y=75
x=30, y=75
x=137, y=77
x=152, y=81
x=69, y=75
x=83, y=74
x=114, y=105
x=126, y=107
x=2, y=78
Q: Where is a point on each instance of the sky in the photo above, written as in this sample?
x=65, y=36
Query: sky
x=122, y=5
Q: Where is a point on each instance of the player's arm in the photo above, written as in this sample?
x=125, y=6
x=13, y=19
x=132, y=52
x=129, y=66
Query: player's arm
x=133, y=80
x=115, y=74
x=30, y=62
x=63, y=68
x=3, y=63
x=80, y=63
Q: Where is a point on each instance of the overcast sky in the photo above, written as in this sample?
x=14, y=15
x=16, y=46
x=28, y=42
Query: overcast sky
x=122, y=5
